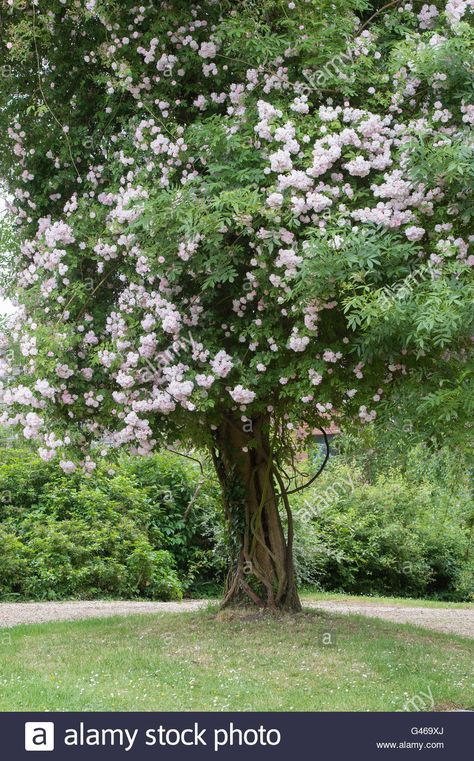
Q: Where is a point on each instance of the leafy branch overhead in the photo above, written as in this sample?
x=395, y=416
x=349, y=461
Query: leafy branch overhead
x=252, y=210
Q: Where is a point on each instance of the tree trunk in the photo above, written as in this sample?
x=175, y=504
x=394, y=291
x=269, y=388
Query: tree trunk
x=261, y=569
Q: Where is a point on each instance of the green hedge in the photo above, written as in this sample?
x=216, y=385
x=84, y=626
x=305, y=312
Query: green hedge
x=118, y=533
x=405, y=532
x=127, y=531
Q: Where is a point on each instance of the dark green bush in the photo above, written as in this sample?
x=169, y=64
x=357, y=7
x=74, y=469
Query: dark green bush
x=374, y=523
x=185, y=512
x=13, y=565
x=405, y=533
x=122, y=532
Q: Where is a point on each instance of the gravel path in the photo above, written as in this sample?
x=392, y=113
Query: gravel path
x=450, y=620
x=14, y=613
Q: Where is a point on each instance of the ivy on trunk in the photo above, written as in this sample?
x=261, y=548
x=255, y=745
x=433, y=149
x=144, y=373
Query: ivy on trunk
x=261, y=569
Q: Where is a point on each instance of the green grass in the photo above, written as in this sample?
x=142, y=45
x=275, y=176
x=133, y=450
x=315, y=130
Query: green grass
x=209, y=661
x=310, y=594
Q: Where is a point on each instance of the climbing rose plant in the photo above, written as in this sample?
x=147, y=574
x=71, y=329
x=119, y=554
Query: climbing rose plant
x=236, y=222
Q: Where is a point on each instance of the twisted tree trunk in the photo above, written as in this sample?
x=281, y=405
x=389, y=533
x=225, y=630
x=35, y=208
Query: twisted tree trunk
x=262, y=570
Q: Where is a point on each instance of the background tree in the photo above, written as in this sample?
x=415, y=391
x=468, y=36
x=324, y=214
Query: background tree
x=238, y=222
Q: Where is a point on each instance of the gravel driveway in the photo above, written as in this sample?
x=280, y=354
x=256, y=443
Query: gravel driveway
x=15, y=613
x=450, y=620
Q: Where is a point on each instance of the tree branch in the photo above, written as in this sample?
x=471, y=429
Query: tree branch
x=313, y=479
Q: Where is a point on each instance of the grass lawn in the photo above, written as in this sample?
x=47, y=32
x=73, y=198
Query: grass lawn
x=213, y=661
x=309, y=594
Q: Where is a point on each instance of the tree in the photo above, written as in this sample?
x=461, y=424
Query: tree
x=238, y=222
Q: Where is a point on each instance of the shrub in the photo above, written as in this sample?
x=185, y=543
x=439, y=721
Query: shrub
x=374, y=523
x=184, y=510
x=71, y=537
x=404, y=533
x=13, y=566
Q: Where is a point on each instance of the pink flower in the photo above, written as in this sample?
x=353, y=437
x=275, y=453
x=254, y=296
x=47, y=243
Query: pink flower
x=275, y=200
x=222, y=364
x=63, y=371
x=298, y=343
x=208, y=50
x=280, y=161
x=124, y=380
x=414, y=233
x=242, y=395
x=427, y=15
x=358, y=167
x=205, y=381
x=67, y=466
x=315, y=378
